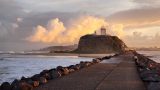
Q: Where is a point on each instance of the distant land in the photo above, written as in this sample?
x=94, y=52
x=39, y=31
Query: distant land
x=91, y=44
x=53, y=49
x=146, y=49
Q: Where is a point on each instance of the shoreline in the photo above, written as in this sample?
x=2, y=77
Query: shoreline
x=148, y=71
x=45, y=75
x=68, y=54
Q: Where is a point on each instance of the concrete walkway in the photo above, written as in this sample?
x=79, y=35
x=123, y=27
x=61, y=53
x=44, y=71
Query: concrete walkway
x=103, y=76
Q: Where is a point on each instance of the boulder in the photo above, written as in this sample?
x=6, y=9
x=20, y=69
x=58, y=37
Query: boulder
x=38, y=79
x=23, y=78
x=25, y=86
x=15, y=85
x=35, y=83
x=71, y=70
x=115, y=55
x=145, y=72
x=152, y=65
x=35, y=77
x=106, y=57
x=47, y=76
x=55, y=74
x=42, y=80
x=63, y=70
x=149, y=76
x=5, y=86
x=44, y=72
x=27, y=80
x=96, y=60
x=153, y=86
x=75, y=67
x=84, y=64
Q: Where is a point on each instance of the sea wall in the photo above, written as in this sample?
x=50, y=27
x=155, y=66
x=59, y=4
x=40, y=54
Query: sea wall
x=149, y=71
x=29, y=83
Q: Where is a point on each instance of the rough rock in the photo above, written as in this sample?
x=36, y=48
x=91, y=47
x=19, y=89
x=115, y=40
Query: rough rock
x=15, y=85
x=25, y=86
x=154, y=86
x=35, y=83
x=96, y=60
x=55, y=74
x=100, y=44
x=75, y=67
x=42, y=80
x=64, y=70
x=5, y=86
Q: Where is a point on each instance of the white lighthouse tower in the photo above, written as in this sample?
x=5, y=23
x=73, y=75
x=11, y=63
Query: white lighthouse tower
x=103, y=30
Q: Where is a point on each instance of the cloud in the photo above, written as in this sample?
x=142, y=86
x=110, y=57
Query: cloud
x=15, y=25
x=138, y=39
x=140, y=25
x=147, y=3
x=19, y=19
x=9, y=10
x=136, y=18
x=86, y=6
x=57, y=33
x=10, y=35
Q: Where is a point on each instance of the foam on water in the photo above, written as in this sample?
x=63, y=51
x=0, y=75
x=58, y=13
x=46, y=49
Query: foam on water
x=16, y=66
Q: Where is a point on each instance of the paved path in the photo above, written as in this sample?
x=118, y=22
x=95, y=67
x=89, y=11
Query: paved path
x=104, y=76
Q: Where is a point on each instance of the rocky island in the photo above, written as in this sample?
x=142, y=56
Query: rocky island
x=100, y=44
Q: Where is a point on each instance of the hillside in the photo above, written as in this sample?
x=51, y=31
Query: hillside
x=100, y=44
x=53, y=49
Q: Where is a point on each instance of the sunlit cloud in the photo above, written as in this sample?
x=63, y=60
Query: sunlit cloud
x=56, y=32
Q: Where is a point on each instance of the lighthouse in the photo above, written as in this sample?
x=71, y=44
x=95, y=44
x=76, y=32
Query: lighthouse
x=103, y=31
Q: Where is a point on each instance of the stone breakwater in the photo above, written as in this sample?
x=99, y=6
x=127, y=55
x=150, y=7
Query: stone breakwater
x=149, y=71
x=29, y=83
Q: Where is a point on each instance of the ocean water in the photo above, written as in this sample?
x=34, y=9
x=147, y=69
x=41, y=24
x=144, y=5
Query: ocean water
x=15, y=66
x=154, y=55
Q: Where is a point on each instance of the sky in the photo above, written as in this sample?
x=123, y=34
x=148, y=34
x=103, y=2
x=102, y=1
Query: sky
x=34, y=24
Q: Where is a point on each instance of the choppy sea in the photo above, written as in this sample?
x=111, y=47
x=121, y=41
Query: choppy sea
x=15, y=66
